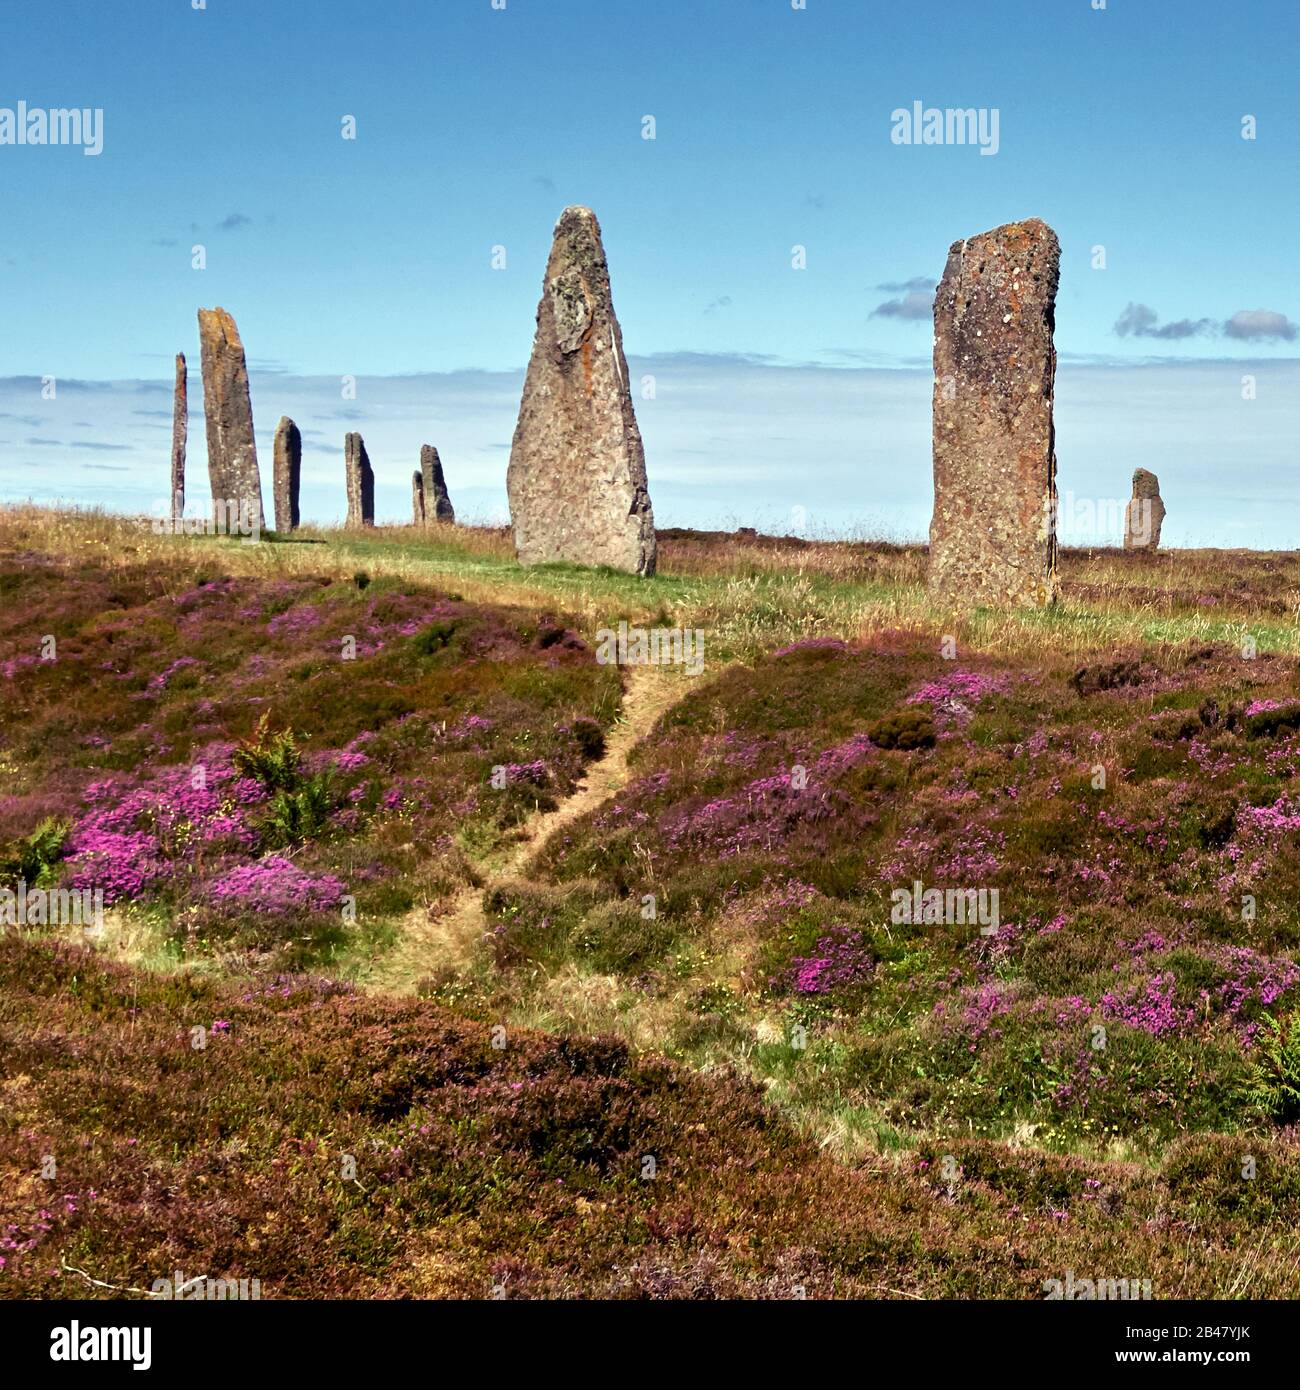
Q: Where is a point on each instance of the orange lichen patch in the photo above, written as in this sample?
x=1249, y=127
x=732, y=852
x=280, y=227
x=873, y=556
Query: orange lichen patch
x=586, y=364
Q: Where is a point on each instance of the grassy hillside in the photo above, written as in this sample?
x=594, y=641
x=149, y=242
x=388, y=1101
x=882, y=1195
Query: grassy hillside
x=498, y=923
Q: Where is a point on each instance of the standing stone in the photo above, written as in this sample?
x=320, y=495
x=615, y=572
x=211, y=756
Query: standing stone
x=993, y=533
x=360, y=482
x=577, y=480
x=180, y=434
x=228, y=409
x=287, y=474
x=417, y=498
x=436, y=500
x=1145, y=513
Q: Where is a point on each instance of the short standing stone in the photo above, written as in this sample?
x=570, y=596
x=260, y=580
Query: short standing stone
x=417, y=498
x=577, y=479
x=1145, y=513
x=288, y=474
x=228, y=410
x=993, y=532
x=436, y=501
x=360, y=482
x=180, y=434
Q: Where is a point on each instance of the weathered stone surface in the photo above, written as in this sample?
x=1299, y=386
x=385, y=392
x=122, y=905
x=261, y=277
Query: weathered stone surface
x=228, y=408
x=993, y=532
x=577, y=479
x=360, y=482
x=180, y=434
x=1145, y=513
x=287, y=474
x=417, y=498
x=437, y=503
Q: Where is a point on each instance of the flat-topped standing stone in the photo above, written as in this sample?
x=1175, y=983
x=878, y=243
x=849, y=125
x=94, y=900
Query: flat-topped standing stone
x=437, y=503
x=577, y=480
x=180, y=434
x=360, y=482
x=417, y=498
x=287, y=474
x=228, y=410
x=993, y=532
x=1145, y=513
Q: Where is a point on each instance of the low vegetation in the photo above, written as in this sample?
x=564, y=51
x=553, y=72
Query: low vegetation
x=905, y=957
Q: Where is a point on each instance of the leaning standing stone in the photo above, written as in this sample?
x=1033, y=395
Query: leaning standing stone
x=180, y=433
x=228, y=410
x=360, y=482
x=1145, y=513
x=993, y=532
x=417, y=498
x=577, y=479
x=287, y=473
x=436, y=501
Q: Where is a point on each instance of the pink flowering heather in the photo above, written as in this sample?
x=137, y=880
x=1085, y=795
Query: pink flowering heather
x=128, y=843
x=275, y=885
x=1276, y=819
x=1150, y=1007
x=536, y=773
x=763, y=812
x=953, y=696
x=975, y=1009
x=159, y=682
x=468, y=725
x=294, y=622
x=840, y=959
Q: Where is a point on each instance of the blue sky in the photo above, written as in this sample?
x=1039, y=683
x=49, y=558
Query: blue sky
x=475, y=126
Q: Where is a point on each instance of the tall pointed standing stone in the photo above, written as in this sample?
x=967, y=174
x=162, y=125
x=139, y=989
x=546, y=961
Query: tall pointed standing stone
x=437, y=503
x=577, y=479
x=360, y=482
x=228, y=410
x=180, y=433
x=1145, y=513
x=993, y=533
x=287, y=474
x=417, y=498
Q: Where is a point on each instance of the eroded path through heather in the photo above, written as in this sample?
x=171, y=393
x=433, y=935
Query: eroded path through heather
x=450, y=938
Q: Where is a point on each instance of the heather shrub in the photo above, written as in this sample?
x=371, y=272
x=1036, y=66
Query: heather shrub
x=435, y=638
x=1269, y=723
x=906, y=729
x=589, y=736
x=618, y=937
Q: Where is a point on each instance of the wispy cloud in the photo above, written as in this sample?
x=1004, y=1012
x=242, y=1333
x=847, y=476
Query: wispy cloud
x=1246, y=325
x=920, y=284
x=1260, y=325
x=234, y=222
x=914, y=305
x=1141, y=321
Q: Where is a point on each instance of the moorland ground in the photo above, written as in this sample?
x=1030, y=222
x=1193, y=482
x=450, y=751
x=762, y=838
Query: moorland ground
x=512, y=968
